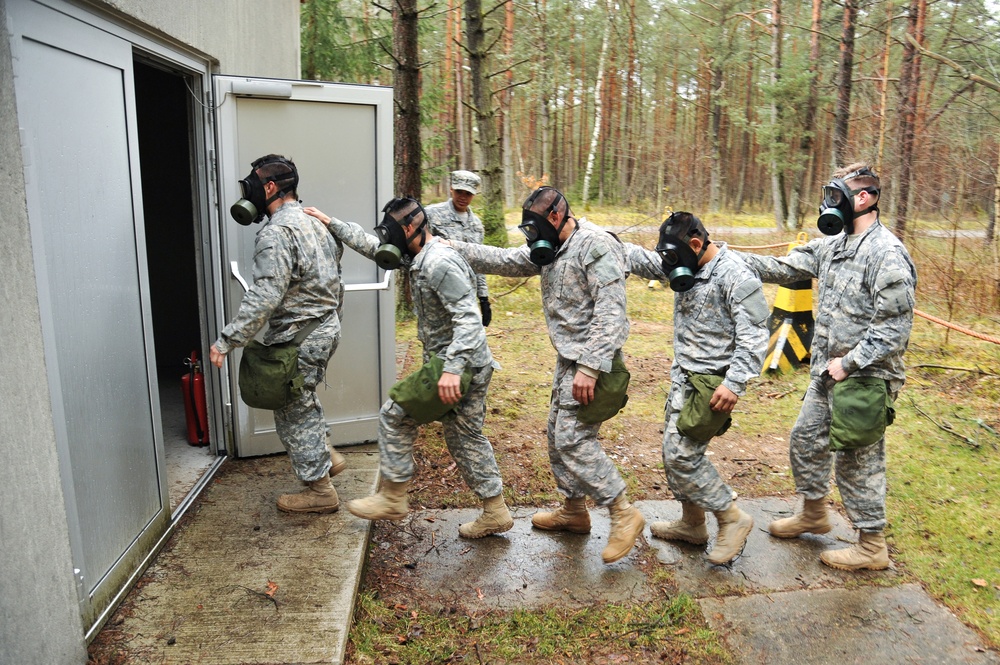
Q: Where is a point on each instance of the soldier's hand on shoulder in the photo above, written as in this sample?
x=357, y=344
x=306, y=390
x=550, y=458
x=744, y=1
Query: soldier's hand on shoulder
x=317, y=213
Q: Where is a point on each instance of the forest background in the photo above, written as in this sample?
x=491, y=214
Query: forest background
x=733, y=105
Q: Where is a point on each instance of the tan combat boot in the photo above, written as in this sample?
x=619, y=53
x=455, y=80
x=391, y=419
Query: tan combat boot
x=495, y=519
x=870, y=553
x=690, y=527
x=390, y=503
x=813, y=519
x=571, y=516
x=318, y=497
x=337, y=461
x=626, y=525
x=734, y=528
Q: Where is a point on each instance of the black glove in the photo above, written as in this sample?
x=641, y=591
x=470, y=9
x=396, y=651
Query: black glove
x=484, y=306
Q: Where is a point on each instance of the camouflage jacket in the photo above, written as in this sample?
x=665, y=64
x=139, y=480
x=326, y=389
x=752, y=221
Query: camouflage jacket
x=443, y=288
x=583, y=291
x=446, y=222
x=296, y=278
x=720, y=324
x=866, y=298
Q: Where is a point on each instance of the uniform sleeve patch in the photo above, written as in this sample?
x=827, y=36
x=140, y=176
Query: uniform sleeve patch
x=750, y=296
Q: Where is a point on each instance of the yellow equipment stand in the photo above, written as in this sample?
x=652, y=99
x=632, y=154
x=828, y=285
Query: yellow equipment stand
x=791, y=323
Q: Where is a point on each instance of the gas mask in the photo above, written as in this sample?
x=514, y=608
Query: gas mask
x=541, y=236
x=679, y=261
x=837, y=212
x=252, y=207
x=393, y=239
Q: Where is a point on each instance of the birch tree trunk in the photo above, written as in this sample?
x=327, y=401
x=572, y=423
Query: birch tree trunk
x=777, y=171
x=505, y=105
x=794, y=220
x=598, y=108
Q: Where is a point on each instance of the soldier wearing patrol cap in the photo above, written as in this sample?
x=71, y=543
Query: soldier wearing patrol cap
x=454, y=219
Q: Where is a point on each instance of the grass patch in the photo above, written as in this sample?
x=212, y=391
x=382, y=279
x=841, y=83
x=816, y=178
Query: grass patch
x=669, y=631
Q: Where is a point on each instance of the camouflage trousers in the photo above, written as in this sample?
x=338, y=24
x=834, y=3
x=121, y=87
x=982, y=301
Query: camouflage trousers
x=860, y=473
x=463, y=434
x=301, y=426
x=691, y=476
x=579, y=464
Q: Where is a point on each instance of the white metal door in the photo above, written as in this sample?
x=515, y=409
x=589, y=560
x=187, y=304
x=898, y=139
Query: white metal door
x=76, y=110
x=340, y=137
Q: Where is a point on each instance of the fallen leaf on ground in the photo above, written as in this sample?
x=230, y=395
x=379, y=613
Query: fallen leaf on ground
x=980, y=582
x=271, y=588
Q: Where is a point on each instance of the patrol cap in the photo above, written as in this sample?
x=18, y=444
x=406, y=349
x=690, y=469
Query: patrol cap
x=467, y=181
x=683, y=225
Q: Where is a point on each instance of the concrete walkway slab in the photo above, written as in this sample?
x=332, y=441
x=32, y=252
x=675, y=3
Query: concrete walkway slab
x=767, y=563
x=244, y=583
x=521, y=568
x=864, y=625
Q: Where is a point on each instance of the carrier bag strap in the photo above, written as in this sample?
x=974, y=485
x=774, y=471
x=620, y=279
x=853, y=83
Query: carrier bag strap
x=307, y=330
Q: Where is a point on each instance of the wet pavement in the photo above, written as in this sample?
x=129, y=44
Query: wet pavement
x=241, y=582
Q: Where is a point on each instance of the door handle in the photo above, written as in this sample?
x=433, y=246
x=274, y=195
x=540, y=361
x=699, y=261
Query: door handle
x=236, y=273
x=372, y=286
x=368, y=286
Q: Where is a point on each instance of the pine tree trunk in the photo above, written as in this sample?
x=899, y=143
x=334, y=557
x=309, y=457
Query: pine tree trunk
x=482, y=98
x=845, y=72
x=406, y=96
x=909, y=86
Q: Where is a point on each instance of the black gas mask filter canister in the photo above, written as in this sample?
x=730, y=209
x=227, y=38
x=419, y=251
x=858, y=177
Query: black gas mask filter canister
x=393, y=239
x=837, y=212
x=541, y=236
x=253, y=206
x=679, y=261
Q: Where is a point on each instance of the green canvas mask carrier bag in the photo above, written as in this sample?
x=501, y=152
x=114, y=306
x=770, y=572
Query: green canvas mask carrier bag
x=610, y=394
x=697, y=421
x=862, y=409
x=418, y=392
x=269, y=374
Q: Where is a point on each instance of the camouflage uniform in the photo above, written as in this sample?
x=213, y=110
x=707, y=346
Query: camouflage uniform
x=583, y=297
x=719, y=328
x=865, y=313
x=446, y=222
x=449, y=325
x=296, y=279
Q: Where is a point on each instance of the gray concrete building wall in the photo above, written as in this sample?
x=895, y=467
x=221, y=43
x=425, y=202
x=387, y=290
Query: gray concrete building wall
x=246, y=37
x=39, y=611
x=39, y=608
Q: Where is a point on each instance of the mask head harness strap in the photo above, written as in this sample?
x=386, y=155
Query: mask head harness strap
x=273, y=168
x=684, y=226
x=528, y=215
x=840, y=186
x=393, y=220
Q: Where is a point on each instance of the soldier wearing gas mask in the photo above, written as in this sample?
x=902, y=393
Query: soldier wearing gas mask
x=720, y=339
x=583, y=275
x=296, y=282
x=866, y=286
x=449, y=326
x=455, y=219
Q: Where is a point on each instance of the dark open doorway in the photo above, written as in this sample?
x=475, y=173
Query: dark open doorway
x=163, y=111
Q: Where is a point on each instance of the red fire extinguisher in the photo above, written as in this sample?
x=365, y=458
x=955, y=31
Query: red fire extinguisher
x=193, y=387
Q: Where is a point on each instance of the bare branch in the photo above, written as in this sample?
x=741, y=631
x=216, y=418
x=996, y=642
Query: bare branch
x=965, y=73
